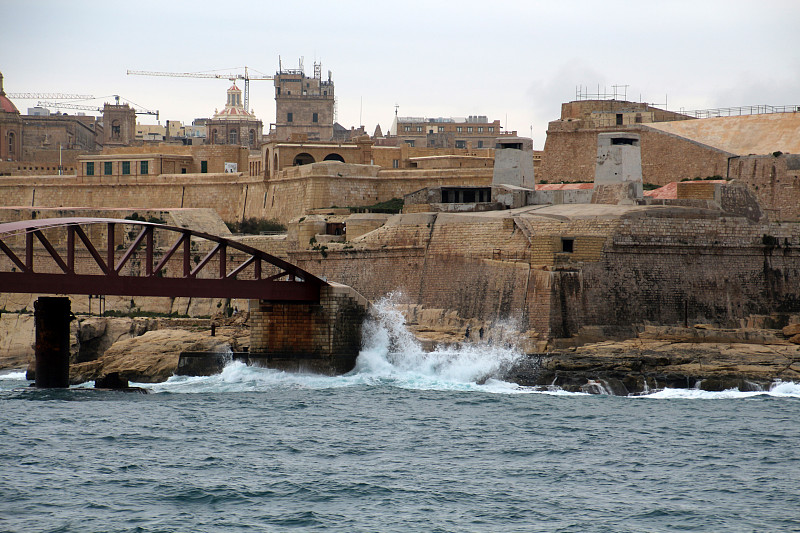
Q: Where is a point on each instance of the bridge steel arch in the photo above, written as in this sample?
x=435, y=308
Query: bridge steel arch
x=48, y=269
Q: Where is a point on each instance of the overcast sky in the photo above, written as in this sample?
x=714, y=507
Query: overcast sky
x=515, y=60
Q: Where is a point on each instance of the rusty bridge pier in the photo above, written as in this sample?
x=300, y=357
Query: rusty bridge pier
x=52, y=317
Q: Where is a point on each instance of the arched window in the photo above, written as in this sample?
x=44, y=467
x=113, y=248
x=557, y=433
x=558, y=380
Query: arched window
x=303, y=159
x=11, y=143
x=214, y=136
x=115, y=129
x=252, y=137
x=232, y=137
x=334, y=157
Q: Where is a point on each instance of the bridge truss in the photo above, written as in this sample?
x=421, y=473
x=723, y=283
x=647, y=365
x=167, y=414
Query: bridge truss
x=120, y=257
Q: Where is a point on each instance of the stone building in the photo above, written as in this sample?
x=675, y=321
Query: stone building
x=466, y=133
x=119, y=124
x=156, y=160
x=10, y=128
x=43, y=143
x=303, y=105
x=234, y=124
x=755, y=149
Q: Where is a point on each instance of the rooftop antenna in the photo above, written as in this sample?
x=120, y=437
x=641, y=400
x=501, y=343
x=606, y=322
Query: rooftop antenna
x=395, y=110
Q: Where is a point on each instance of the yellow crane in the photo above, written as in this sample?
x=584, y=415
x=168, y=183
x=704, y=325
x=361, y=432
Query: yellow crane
x=213, y=75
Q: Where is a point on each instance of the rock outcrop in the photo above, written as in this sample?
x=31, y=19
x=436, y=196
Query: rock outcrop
x=662, y=357
x=153, y=356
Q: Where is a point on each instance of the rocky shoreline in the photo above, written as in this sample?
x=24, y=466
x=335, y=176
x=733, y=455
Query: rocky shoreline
x=702, y=357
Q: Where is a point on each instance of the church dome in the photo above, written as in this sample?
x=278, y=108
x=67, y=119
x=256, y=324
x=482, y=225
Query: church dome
x=234, y=109
x=6, y=105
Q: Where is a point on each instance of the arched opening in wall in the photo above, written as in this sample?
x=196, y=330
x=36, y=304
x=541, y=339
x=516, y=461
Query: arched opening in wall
x=11, y=143
x=115, y=129
x=303, y=159
x=232, y=137
x=214, y=136
x=252, y=137
x=334, y=157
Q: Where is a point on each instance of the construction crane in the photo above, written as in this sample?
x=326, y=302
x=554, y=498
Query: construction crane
x=65, y=105
x=50, y=96
x=229, y=76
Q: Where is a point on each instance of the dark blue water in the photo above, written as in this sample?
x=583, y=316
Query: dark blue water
x=408, y=442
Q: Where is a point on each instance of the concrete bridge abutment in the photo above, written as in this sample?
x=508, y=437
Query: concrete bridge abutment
x=322, y=337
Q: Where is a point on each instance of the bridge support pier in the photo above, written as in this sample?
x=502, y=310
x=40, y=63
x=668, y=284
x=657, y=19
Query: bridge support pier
x=52, y=317
x=324, y=338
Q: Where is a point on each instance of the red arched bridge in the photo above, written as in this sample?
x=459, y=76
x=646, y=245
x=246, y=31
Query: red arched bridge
x=120, y=257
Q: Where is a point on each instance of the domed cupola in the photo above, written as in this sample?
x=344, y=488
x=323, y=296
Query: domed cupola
x=6, y=105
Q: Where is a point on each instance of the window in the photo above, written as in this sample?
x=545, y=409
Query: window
x=619, y=119
x=315, y=117
x=108, y=167
x=204, y=167
x=395, y=163
x=115, y=129
x=441, y=129
x=419, y=128
x=232, y=137
x=459, y=129
x=480, y=144
x=491, y=129
x=126, y=167
x=289, y=117
x=410, y=142
x=407, y=128
x=183, y=170
x=252, y=137
x=90, y=168
x=461, y=144
x=469, y=129
x=480, y=129
x=567, y=245
x=11, y=143
x=144, y=167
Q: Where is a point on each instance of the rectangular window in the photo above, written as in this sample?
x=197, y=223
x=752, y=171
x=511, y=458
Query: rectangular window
x=441, y=129
x=144, y=167
x=567, y=245
x=126, y=167
x=314, y=118
x=407, y=128
x=204, y=167
x=395, y=163
x=419, y=128
x=289, y=117
x=469, y=129
x=480, y=129
x=459, y=129
x=410, y=142
x=480, y=144
x=108, y=167
x=491, y=129
x=90, y=168
x=619, y=119
x=461, y=144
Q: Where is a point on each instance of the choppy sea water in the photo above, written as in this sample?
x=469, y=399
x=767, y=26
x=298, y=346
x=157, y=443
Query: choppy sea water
x=408, y=441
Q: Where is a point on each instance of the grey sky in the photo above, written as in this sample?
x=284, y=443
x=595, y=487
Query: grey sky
x=515, y=61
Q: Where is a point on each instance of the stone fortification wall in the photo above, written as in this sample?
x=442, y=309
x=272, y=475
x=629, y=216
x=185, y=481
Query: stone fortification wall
x=667, y=270
x=775, y=180
x=232, y=198
x=570, y=154
x=658, y=265
x=300, y=189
